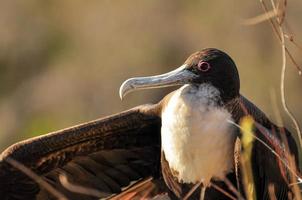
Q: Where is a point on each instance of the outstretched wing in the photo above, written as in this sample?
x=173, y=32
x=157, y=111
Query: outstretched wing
x=271, y=176
x=105, y=155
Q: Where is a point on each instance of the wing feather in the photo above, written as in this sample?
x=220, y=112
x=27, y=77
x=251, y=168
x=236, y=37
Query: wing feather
x=267, y=168
x=106, y=155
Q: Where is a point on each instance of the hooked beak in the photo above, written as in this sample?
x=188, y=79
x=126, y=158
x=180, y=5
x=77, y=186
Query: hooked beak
x=179, y=76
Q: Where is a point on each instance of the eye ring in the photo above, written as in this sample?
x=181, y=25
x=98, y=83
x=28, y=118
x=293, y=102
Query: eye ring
x=203, y=66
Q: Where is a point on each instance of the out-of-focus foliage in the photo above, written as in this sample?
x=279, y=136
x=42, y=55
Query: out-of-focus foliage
x=246, y=161
x=62, y=62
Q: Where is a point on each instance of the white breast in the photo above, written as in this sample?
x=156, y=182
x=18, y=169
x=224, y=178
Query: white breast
x=197, y=139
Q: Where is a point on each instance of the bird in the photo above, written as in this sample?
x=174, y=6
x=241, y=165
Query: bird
x=187, y=146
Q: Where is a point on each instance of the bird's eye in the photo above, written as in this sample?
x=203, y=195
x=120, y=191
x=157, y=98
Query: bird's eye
x=203, y=66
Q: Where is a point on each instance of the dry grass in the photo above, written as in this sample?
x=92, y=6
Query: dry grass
x=277, y=24
x=80, y=189
x=277, y=19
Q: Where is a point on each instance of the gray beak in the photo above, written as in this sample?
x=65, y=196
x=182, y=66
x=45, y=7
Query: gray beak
x=179, y=76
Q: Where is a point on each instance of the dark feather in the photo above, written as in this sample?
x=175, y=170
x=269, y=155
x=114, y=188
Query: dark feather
x=266, y=166
x=113, y=155
x=105, y=154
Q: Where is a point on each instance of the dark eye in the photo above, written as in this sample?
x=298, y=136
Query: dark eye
x=203, y=66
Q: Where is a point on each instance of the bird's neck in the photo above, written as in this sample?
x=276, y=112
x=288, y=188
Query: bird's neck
x=197, y=139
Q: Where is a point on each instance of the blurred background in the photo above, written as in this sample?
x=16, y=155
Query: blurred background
x=62, y=62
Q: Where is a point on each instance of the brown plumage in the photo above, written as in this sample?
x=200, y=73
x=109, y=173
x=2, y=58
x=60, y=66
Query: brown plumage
x=121, y=154
x=105, y=154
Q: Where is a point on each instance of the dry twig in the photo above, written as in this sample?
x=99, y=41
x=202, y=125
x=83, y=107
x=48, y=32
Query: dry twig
x=80, y=189
x=192, y=190
x=271, y=150
x=284, y=104
x=222, y=191
x=260, y=18
x=277, y=34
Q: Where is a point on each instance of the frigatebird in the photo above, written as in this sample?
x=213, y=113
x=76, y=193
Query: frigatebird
x=188, y=138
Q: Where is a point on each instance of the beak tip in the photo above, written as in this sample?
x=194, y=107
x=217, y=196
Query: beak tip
x=121, y=94
x=124, y=89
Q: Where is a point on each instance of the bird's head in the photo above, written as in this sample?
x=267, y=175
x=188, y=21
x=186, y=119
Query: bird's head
x=210, y=66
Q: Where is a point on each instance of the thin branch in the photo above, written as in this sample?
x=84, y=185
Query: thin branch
x=284, y=104
x=222, y=191
x=290, y=37
x=80, y=189
x=232, y=188
x=272, y=150
x=193, y=189
x=277, y=34
x=260, y=18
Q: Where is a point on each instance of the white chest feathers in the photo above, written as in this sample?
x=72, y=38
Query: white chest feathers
x=197, y=139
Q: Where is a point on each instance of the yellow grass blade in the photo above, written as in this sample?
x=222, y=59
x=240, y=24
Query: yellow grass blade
x=247, y=144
